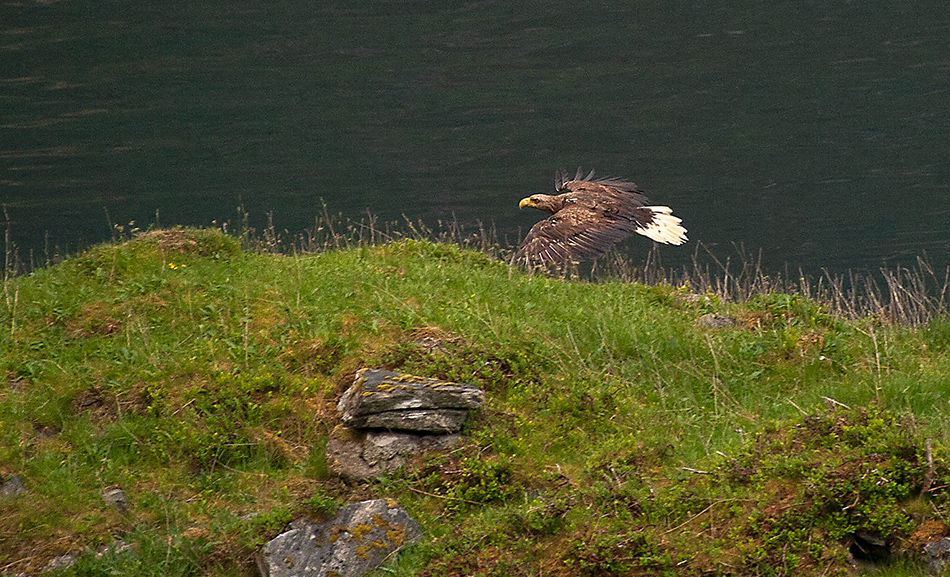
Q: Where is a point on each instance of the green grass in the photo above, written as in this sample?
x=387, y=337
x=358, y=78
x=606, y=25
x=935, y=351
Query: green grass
x=618, y=438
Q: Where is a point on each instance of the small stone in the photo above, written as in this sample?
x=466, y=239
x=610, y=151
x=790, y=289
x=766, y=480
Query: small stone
x=357, y=540
x=713, y=321
x=937, y=555
x=116, y=547
x=692, y=298
x=116, y=497
x=61, y=562
x=12, y=488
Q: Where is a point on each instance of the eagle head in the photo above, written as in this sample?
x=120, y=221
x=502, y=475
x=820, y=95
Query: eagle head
x=541, y=202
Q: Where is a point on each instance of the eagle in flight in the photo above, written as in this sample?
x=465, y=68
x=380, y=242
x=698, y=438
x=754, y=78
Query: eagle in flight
x=589, y=217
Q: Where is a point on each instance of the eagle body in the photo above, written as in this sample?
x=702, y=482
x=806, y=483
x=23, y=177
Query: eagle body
x=591, y=216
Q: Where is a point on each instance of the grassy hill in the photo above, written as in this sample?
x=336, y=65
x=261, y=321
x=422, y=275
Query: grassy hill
x=618, y=437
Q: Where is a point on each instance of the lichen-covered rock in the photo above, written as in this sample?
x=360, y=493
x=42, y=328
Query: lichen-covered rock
x=387, y=400
x=357, y=540
x=359, y=455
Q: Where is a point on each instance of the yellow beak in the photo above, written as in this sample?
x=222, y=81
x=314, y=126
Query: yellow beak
x=524, y=202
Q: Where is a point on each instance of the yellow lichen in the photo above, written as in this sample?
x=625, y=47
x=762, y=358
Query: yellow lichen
x=391, y=502
x=359, y=532
x=379, y=521
x=361, y=551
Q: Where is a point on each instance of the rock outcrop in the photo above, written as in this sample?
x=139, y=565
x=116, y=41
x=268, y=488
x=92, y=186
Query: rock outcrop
x=357, y=540
x=387, y=400
x=358, y=455
x=389, y=416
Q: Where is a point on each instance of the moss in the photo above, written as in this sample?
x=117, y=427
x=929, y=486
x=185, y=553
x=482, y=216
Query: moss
x=346, y=434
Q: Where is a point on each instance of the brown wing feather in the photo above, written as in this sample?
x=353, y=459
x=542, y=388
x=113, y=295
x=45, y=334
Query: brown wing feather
x=576, y=233
x=563, y=182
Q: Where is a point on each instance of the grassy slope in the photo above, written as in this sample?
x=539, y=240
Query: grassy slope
x=618, y=438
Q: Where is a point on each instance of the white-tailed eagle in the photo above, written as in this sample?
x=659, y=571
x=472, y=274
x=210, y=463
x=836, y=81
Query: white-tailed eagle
x=589, y=217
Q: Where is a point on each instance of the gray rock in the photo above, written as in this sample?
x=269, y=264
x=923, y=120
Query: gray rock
x=357, y=540
x=712, y=321
x=61, y=562
x=936, y=555
x=359, y=455
x=427, y=420
x=115, y=548
x=387, y=400
x=12, y=488
x=116, y=497
x=67, y=560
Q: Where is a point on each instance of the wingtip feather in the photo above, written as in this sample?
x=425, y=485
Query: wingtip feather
x=664, y=227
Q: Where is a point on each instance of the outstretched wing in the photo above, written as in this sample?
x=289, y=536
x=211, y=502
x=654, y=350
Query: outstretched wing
x=576, y=233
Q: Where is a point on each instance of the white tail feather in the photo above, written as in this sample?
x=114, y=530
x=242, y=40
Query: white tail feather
x=665, y=227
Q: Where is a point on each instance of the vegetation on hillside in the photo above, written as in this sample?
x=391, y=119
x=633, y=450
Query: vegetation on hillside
x=618, y=437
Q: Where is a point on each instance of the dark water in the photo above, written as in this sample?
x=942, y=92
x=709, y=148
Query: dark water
x=816, y=131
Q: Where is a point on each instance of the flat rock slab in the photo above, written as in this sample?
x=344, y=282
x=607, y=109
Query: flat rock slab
x=386, y=400
x=357, y=540
x=359, y=455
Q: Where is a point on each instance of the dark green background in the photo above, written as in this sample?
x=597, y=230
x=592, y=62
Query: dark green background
x=816, y=131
